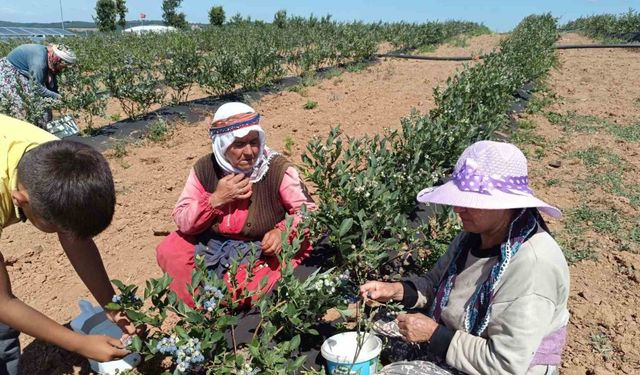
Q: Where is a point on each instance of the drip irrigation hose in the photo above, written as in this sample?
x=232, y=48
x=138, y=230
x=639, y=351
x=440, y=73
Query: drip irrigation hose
x=469, y=58
x=413, y=57
x=576, y=46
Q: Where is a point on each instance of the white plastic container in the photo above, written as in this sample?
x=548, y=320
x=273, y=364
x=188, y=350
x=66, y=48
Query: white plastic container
x=339, y=351
x=93, y=321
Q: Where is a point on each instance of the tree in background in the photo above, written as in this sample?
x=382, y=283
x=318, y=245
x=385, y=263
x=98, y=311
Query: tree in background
x=171, y=16
x=105, y=17
x=280, y=18
x=216, y=15
x=237, y=19
x=121, y=11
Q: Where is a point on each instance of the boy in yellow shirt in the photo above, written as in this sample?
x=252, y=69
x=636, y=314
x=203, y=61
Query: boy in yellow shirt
x=61, y=187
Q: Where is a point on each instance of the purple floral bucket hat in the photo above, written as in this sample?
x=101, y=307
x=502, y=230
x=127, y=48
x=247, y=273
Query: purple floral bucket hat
x=488, y=175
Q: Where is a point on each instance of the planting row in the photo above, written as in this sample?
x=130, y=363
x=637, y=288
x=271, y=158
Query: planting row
x=607, y=26
x=142, y=71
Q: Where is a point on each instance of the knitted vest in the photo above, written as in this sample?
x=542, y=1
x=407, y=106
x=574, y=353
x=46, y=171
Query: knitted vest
x=265, y=208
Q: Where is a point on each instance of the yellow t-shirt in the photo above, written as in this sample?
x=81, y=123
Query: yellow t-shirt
x=16, y=138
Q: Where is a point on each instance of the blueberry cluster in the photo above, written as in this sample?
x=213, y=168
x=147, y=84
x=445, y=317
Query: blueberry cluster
x=248, y=370
x=167, y=345
x=349, y=299
x=214, y=294
x=126, y=299
x=188, y=355
x=325, y=283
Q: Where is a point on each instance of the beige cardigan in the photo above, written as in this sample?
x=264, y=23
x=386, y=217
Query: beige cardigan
x=530, y=302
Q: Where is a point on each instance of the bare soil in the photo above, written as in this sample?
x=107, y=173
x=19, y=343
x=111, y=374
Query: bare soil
x=605, y=293
x=597, y=89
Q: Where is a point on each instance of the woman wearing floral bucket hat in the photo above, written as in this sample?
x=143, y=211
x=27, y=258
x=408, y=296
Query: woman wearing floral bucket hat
x=496, y=301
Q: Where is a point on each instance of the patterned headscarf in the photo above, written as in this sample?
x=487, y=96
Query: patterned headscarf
x=236, y=120
x=478, y=310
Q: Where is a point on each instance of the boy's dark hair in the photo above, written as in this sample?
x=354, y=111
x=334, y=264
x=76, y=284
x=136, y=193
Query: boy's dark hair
x=69, y=185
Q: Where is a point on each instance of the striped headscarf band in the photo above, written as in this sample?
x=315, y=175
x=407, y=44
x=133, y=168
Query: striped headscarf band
x=233, y=123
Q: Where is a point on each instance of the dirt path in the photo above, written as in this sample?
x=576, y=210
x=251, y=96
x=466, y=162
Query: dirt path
x=150, y=177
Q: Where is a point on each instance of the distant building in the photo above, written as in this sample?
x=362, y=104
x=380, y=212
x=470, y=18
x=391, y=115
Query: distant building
x=33, y=33
x=149, y=29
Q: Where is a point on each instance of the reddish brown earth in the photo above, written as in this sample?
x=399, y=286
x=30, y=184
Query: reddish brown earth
x=605, y=292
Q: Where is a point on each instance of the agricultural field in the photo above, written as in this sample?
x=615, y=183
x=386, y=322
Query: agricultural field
x=137, y=74
x=580, y=132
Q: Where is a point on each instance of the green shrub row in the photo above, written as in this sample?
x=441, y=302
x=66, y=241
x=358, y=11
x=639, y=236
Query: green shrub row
x=606, y=26
x=367, y=185
x=475, y=101
x=407, y=36
x=137, y=70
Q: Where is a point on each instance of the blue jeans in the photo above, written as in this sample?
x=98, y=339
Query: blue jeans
x=9, y=350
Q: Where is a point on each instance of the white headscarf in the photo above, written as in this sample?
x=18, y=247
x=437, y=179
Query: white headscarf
x=222, y=141
x=64, y=53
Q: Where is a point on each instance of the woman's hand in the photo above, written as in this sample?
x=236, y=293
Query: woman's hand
x=230, y=188
x=416, y=327
x=381, y=291
x=101, y=348
x=272, y=242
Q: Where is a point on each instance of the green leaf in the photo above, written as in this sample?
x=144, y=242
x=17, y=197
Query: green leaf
x=112, y=306
x=216, y=336
x=195, y=317
x=182, y=307
x=172, y=297
x=295, y=342
x=148, y=290
x=164, y=281
x=136, y=316
x=345, y=227
x=254, y=351
x=298, y=362
x=239, y=361
x=137, y=343
x=196, y=279
x=181, y=332
x=119, y=284
x=227, y=320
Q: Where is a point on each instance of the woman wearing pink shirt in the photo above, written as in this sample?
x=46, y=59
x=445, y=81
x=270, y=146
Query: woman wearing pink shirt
x=233, y=204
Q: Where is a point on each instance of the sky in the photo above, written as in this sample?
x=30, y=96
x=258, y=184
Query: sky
x=498, y=15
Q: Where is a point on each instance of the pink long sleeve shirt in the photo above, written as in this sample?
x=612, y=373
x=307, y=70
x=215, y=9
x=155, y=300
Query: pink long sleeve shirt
x=193, y=213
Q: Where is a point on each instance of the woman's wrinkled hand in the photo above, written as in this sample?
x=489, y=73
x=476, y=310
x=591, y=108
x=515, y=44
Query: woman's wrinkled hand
x=230, y=188
x=381, y=291
x=272, y=242
x=416, y=327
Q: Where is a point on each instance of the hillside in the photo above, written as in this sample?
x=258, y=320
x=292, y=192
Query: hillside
x=72, y=24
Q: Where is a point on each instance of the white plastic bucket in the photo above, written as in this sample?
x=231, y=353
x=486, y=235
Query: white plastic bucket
x=93, y=321
x=339, y=351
